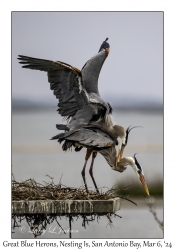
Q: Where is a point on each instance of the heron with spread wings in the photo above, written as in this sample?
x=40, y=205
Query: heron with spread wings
x=87, y=113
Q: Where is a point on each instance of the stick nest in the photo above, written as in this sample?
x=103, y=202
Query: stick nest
x=31, y=190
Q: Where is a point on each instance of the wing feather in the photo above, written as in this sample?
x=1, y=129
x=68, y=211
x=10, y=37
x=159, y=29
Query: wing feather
x=65, y=81
x=74, y=89
x=87, y=137
x=91, y=70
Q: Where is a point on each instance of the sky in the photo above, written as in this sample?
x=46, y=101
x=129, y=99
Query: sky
x=133, y=71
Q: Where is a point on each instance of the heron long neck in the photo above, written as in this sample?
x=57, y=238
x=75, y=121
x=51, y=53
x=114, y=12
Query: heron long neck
x=128, y=161
x=121, y=165
x=119, y=130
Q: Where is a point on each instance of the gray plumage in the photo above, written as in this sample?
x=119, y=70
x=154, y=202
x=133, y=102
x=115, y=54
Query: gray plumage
x=94, y=139
x=86, y=138
x=91, y=70
x=77, y=91
x=89, y=122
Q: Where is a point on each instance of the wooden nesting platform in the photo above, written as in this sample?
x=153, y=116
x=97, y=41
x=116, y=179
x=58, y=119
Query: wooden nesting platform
x=61, y=207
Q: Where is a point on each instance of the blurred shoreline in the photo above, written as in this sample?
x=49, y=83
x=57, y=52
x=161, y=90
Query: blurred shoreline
x=20, y=105
x=141, y=202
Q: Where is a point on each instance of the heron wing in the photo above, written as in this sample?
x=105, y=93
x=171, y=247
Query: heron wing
x=65, y=81
x=92, y=138
x=91, y=70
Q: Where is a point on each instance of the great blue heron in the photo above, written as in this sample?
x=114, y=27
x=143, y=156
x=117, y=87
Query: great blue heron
x=95, y=140
x=78, y=93
x=77, y=90
x=80, y=102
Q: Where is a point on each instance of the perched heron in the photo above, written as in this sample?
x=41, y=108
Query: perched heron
x=78, y=94
x=80, y=102
x=95, y=140
x=116, y=132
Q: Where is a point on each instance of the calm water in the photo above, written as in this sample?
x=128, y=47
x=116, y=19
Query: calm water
x=34, y=156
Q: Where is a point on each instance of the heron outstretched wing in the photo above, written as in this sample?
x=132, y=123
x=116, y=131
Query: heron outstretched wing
x=65, y=81
x=73, y=88
x=91, y=69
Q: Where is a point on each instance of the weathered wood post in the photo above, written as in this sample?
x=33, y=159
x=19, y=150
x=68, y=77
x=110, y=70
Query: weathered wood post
x=61, y=207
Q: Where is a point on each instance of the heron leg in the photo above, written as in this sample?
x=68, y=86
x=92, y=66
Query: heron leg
x=88, y=154
x=94, y=154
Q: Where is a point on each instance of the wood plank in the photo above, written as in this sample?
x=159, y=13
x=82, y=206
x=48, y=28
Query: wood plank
x=66, y=206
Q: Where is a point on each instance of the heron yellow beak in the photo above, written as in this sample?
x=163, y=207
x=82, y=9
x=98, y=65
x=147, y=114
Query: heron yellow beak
x=142, y=179
x=120, y=154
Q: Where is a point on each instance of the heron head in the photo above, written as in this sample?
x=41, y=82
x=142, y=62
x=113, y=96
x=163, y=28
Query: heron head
x=127, y=133
x=132, y=161
x=125, y=141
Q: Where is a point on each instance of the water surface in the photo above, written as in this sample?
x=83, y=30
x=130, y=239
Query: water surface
x=34, y=156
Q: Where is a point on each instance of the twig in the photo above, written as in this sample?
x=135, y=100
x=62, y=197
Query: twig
x=128, y=200
x=150, y=202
